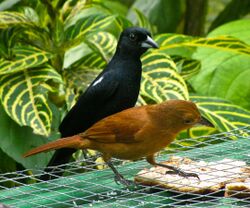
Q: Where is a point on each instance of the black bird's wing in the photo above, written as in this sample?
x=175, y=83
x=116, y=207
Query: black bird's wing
x=98, y=93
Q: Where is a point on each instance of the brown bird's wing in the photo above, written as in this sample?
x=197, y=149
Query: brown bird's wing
x=118, y=127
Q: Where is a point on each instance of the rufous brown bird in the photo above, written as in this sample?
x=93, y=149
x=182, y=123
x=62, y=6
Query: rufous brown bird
x=134, y=133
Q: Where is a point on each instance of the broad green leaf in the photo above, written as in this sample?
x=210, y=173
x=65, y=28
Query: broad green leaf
x=9, y=19
x=24, y=97
x=16, y=140
x=223, y=114
x=165, y=15
x=160, y=80
x=225, y=73
x=238, y=29
x=25, y=57
x=89, y=25
x=225, y=76
x=74, y=54
x=102, y=43
x=78, y=10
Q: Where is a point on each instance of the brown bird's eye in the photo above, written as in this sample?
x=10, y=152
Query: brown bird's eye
x=188, y=121
x=132, y=36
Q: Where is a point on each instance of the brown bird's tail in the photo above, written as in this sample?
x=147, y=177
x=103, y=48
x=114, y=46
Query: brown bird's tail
x=69, y=142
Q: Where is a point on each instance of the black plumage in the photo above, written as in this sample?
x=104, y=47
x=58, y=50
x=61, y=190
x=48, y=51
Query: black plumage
x=116, y=88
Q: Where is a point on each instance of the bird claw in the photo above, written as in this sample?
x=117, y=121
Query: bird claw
x=183, y=174
x=119, y=179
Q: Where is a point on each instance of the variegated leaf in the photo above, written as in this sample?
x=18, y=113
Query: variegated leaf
x=171, y=43
x=8, y=19
x=24, y=97
x=187, y=67
x=223, y=114
x=90, y=61
x=25, y=57
x=160, y=80
x=103, y=43
x=89, y=25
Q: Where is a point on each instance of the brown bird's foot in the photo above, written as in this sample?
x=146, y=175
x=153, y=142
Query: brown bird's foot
x=182, y=173
x=174, y=170
x=119, y=179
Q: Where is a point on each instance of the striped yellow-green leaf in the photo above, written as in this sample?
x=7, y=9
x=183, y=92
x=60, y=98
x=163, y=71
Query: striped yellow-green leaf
x=24, y=97
x=90, y=61
x=187, y=67
x=223, y=114
x=8, y=19
x=102, y=43
x=25, y=57
x=171, y=43
x=89, y=25
x=160, y=80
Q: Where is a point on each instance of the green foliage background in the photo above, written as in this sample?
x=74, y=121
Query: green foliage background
x=51, y=50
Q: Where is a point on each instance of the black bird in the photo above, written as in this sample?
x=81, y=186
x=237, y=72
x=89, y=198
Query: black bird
x=115, y=89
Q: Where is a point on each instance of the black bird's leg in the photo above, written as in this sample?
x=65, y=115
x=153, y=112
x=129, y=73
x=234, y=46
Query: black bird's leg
x=177, y=171
x=118, y=177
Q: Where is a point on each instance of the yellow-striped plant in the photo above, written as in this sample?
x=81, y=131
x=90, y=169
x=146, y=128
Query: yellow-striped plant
x=38, y=66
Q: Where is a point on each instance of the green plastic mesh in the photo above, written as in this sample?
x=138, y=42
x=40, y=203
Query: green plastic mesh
x=84, y=185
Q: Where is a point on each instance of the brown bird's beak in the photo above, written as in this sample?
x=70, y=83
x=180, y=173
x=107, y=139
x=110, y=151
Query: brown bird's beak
x=149, y=43
x=205, y=122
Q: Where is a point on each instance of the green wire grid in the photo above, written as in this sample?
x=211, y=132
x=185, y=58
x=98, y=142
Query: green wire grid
x=86, y=186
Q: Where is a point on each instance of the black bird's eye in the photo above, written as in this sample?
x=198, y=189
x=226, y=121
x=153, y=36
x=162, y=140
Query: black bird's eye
x=132, y=36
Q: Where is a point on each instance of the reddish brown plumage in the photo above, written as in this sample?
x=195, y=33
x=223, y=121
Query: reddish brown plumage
x=73, y=142
x=133, y=133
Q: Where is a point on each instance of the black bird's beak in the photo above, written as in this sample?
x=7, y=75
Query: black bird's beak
x=149, y=43
x=205, y=122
